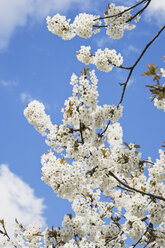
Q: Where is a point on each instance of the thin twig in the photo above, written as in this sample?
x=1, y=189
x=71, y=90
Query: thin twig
x=100, y=26
x=139, y=12
x=124, y=67
x=131, y=68
x=122, y=12
x=136, y=190
x=146, y=161
x=81, y=132
x=125, y=189
x=101, y=134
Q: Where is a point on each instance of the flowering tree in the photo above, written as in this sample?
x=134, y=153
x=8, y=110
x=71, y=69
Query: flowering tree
x=115, y=203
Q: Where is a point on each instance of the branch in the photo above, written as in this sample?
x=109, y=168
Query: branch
x=139, y=12
x=81, y=132
x=100, y=26
x=101, y=134
x=146, y=161
x=149, y=229
x=136, y=190
x=122, y=12
x=124, y=67
x=136, y=62
x=131, y=68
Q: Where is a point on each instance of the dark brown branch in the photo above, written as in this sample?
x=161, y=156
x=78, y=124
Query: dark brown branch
x=131, y=68
x=122, y=12
x=119, y=14
x=136, y=190
x=146, y=161
x=101, y=134
x=124, y=67
x=125, y=189
x=136, y=62
x=149, y=241
x=139, y=12
x=91, y=172
x=100, y=26
x=81, y=132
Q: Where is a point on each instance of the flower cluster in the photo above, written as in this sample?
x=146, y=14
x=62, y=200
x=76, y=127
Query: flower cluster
x=35, y=113
x=116, y=23
x=29, y=237
x=82, y=26
x=160, y=104
x=162, y=71
x=104, y=60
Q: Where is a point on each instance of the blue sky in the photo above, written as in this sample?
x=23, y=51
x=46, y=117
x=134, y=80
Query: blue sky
x=35, y=64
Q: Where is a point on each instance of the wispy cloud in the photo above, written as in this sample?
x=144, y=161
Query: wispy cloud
x=102, y=41
x=26, y=97
x=130, y=49
x=131, y=81
x=8, y=84
x=18, y=201
x=156, y=10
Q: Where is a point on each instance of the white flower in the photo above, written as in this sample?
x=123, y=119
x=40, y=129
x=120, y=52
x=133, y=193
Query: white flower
x=83, y=24
x=104, y=60
x=160, y=104
x=60, y=26
x=162, y=71
x=117, y=24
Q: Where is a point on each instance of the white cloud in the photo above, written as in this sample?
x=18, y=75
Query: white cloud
x=15, y=13
x=26, y=97
x=102, y=41
x=131, y=81
x=130, y=49
x=8, y=84
x=156, y=10
x=18, y=201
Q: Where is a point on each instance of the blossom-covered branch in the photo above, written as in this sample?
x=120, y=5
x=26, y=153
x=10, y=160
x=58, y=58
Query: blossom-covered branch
x=152, y=196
